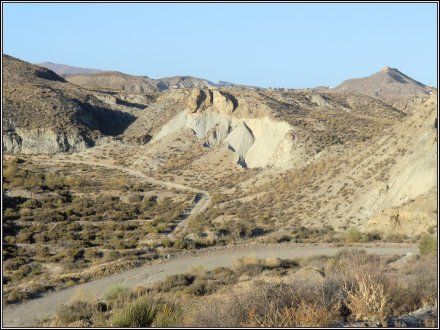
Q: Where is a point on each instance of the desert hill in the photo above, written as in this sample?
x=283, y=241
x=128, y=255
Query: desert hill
x=64, y=69
x=113, y=81
x=42, y=113
x=389, y=84
x=118, y=81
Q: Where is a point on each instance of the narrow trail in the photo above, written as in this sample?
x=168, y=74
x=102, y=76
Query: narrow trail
x=201, y=202
x=27, y=313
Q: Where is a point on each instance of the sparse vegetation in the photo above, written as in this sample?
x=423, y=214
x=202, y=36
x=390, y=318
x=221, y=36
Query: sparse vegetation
x=73, y=218
x=356, y=287
x=68, y=223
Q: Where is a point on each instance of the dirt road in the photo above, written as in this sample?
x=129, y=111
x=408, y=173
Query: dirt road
x=199, y=206
x=27, y=313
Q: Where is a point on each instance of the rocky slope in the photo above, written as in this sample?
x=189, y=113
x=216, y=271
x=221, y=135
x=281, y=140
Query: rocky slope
x=386, y=184
x=407, y=204
x=265, y=128
x=42, y=113
x=389, y=85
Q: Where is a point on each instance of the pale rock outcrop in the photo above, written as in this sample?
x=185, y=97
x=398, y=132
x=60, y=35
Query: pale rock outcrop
x=241, y=139
x=216, y=135
x=241, y=123
x=34, y=141
x=268, y=135
x=259, y=142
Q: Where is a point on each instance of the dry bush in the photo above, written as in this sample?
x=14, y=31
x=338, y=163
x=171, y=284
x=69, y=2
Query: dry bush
x=250, y=265
x=270, y=305
x=233, y=310
x=369, y=299
x=372, y=292
x=76, y=311
x=305, y=314
x=417, y=285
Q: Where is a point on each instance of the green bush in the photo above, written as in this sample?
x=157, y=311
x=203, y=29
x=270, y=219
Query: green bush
x=140, y=313
x=115, y=293
x=353, y=235
x=428, y=245
x=168, y=316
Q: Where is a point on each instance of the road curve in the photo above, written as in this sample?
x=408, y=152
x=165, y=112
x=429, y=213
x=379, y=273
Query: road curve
x=27, y=313
x=198, y=207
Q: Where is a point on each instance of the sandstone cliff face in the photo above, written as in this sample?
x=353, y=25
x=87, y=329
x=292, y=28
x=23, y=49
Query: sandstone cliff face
x=49, y=141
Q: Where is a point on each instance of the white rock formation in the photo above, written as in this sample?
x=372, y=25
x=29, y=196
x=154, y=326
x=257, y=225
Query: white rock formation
x=260, y=142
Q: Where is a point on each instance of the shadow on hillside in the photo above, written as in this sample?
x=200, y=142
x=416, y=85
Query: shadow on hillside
x=107, y=121
x=131, y=104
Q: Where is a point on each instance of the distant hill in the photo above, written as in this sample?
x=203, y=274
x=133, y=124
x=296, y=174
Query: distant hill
x=118, y=81
x=64, y=69
x=388, y=84
x=114, y=81
x=181, y=82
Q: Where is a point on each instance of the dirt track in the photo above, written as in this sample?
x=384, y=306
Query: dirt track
x=27, y=313
x=198, y=207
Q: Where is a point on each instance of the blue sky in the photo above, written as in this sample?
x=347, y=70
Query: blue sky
x=280, y=45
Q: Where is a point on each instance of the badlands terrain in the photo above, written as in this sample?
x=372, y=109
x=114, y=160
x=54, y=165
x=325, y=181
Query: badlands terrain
x=104, y=172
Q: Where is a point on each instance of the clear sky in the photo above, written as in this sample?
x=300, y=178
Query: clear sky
x=279, y=45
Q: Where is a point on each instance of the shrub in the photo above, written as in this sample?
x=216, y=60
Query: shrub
x=277, y=238
x=305, y=314
x=10, y=171
x=140, y=313
x=353, y=235
x=428, y=245
x=395, y=237
x=369, y=299
x=175, y=281
x=115, y=293
x=168, y=316
x=73, y=312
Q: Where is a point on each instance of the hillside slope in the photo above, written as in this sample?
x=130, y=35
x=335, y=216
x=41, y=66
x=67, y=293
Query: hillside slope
x=263, y=128
x=42, y=113
x=387, y=183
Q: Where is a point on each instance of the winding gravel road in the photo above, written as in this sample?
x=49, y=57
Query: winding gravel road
x=199, y=206
x=27, y=313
